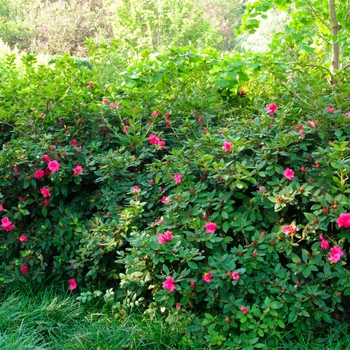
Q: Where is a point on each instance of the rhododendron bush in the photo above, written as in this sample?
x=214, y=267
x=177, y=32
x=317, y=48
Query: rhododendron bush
x=227, y=210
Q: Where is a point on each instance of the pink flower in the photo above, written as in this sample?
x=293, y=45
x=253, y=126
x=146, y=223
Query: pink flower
x=46, y=202
x=77, y=170
x=23, y=238
x=255, y=253
x=302, y=169
x=45, y=192
x=317, y=164
x=299, y=128
x=311, y=123
x=193, y=284
x=72, y=284
x=177, y=178
x=165, y=200
x=204, y=216
x=236, y=276
x=46, y=158
x=105, y=101
x=153, y=139
x=151, y=181
x=289, y=230
x=163, y=238
x=207, y=277
x=227, y=146
x=324, y=244
x=335, y=254
x=74, y=143
x=25, y=269
x=90, y=84
x=262, y=234
x=288, y=174
x=330, y=109
x=136, y=188
x=53, y=166
x=244, y=309
x=169, y=284
x=241, y=92
x=154, y=114
x=210, y=227
x=39, y=174
x=114, y=105
x=177, y=306
x=7, y=224
x=271, y=108
x=261, y=189
x=344, y=220
x=1, y=207
x=347, y=115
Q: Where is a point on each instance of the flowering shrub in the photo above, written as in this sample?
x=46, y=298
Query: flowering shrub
x=245, y=236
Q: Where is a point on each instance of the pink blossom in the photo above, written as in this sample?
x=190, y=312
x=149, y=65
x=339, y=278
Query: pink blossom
x=151, y=181
x=289, y=230
x=25, y=269
x=1, y=207
x=90, y=84
x=136, y=188
x=46, y=158
x=74, y=143
x=154, y=114
x=227, y=146
x=330, y=109
x=335, y=254
x=23, y=238
x=244, y=309
x=344, y=220
x=236, y=276
x=45, y=192
x=317, y=164
x=105, y=101
x=193, y=284
x=302, y=169
x=169, y=284
x=163, y=238
x=207, y=277
x=324, y=244
x=77, y=170
x=311, y=123
x=39, y=174
x=165, y=200
x=241, y=92
x=7, y=224
x=288, y=174
x=261, y=189
x=153, y=139
x=255, y=253
x=114, y=105
x=177, y=306
x=204, y=216
x=271, y=108
x=72, y=284
x=262, y=234
x=53, y=166
x=210, y=227
x=177, y=178
x=46, y=202
x=299, y=128
x=347, y=115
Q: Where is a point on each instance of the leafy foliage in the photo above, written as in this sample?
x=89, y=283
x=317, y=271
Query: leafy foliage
x=205, y=185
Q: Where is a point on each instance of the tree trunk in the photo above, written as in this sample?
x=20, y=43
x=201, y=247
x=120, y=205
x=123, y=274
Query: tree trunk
x=334, y=31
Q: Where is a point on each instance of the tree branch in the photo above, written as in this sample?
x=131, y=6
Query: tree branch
x=316, y=15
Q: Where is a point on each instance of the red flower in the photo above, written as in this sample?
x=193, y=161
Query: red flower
x=210, y=227
x=46, y=158
x=207, y=277
x=72, y=284
x=45, y=192
x=271, y=108
x=169, y=284
x=23, y=238
x=25, y=269
x=39, y=174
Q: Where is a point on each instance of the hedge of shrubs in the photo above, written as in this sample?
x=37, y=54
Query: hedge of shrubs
x=215, y=188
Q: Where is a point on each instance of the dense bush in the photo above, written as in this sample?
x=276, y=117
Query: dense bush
x=191, y=185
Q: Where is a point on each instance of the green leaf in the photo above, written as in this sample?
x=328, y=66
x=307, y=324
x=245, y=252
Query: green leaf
x=192, y=265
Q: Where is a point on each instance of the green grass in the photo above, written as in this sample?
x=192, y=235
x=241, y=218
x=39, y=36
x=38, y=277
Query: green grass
x=55, y=320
